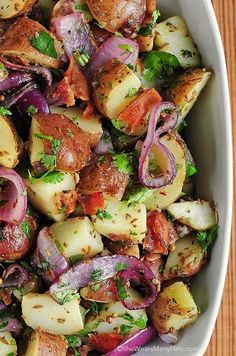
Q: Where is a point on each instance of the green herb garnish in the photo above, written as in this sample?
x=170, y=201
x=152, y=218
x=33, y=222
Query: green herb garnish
x=95, y=276
x=44, y=43
x=132, y=92
x=103, y=214
x=32, y=110
x=126, y=48
x=76, y=258
x=120, y=266
x=4, y=111
x=159, y=64
x=125, y=329
x=207, y=238
x=122, y=293
x=122, y=163
x=190, y=169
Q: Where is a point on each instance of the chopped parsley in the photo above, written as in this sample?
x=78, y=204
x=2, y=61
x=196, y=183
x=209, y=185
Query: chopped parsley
x=207, y=238
x=43, y=137
x=95, y=287
x=126, y=48
x=25, y=228
x=32, y=110
x=132, y=92
x=116, y=124
x=139, y=194
x=103, y=214
x=159, y=64
x=85, y=332
x=65, y=296
x=190, y=169
x=74, y=342
x=106, y=138
x=44, y=43
x=118, y=34
x=122, y=293
x=4, y=111
x=125, y=329
x=52, y=177
x=141, y=322
x=120, y=266
x=95, y=276
x=3, y=324
x=122, y=163
x=49, y=161
x=76, y=258
x=146, y=30
x=84, y=9
x=95, y=308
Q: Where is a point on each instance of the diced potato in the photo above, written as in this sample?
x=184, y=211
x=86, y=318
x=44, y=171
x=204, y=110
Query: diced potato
x=77, y=236
x=9, y=143
x=42, y=344
x=185, y=260
x=112, y=87
x=40, y=311
x=122, y=222
x=162, y=197
x=43, y=195
x=7, y=344
x=186, y=89
x=199, y=215
x=91, y=126
x=110, y=318
x=174, y=308
x=13, y=8
x=17, y=46
x=172, y=36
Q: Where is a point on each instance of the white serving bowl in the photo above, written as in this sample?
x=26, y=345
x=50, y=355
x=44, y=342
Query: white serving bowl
x=210, y=141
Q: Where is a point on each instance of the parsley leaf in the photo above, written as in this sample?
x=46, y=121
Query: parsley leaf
x=159, y=64
x=32, y=110
x=43, y=137
x=85, y=332
x=116, y=124
x=25, y=228
x=190, y=169
x=132, y=92
x=3, y=324
x=122, y=293
x=53, y=177
x=85, y=9
x=49, y=161
x=96, y=275
x=44, y=43
x=76, y=258
x=82, y=58
x=146, y=30
x=4, y=111
x=55, y=146
x=122, y=163
x=120, y=266
x=126, y=48
x=95, y=287
x=103, y=214
x=206, y=238
x=125, y=329
x=65, y=296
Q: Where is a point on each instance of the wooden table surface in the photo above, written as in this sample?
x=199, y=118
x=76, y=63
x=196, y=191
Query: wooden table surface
x=223, y=341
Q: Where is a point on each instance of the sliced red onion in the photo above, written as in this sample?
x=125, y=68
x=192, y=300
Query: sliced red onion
x=51, y=254
x=2, y=306
x=11, y=324
x=130, y=346
x=44, y=72
x=74, y=33
x=138, y=279
x=82, y=274
x=105, y=144
x=14, y=80
x=170, y=338
x=15, y=276
x=34, y=98
x=114, y=47
x=153, y=138
x=13, y=98
x=13, y=197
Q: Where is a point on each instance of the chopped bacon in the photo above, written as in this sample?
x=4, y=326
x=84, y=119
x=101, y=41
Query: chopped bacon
x=66, y=200
x=104, y=342
x=92, y=202
x=105, y=291
x=160, y=233
x=77, y=81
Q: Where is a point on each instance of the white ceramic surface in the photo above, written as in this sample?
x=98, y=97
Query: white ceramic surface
x=210, y=141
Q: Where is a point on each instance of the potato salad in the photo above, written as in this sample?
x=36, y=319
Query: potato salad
x=101, y=229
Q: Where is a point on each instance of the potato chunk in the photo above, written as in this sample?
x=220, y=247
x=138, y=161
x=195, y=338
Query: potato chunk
x=9, y=143
x=114, y=315
x=41, y=311
x=102, y=175
x=172, y=36
x=174, y=308
x=42, y=343
x=13, y=8
x=17, y=44
x=77, y=237
x=185, y=260
x=186, y=89
x=162, y=197
x=120, y=222
x=112, y=86
x=92, y=126
x=7, y=344
x=43, y=195
x=199, y=215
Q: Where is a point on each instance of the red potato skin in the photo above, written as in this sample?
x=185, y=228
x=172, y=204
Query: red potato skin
x=100, y=34
x=104, y=342
x=74, y=151
x=14, y=244
x=103, y=176
x=118, y=15
x=92, y=202
x=160, y=234
x=107, y=292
